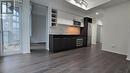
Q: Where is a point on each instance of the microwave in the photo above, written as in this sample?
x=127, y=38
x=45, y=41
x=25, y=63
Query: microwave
x=77, y=23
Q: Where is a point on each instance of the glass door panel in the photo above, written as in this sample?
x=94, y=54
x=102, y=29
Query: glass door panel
x=11, y=30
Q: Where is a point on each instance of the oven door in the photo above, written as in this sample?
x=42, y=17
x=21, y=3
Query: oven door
x=79, y=42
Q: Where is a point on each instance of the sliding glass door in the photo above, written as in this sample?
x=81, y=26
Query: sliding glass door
x=11, y=27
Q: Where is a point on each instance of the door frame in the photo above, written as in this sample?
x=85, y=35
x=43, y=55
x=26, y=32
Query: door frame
x=47, y=21
x=1, y=31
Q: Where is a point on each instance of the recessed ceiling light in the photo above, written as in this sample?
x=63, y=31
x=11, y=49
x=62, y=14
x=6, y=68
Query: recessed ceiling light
x=97, y=13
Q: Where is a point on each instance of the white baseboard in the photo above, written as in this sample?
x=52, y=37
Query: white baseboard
x=117, y=53
x=27, y=52
x=114, y=52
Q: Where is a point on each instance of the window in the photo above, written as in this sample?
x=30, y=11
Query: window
x=7, y=7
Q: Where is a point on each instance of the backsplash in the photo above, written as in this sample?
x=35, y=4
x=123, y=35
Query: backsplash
x=64, y=30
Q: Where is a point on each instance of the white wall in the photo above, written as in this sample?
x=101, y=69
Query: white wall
x=128, y=57
x=65, y=6
x=26, y=26
x=115, y=28
x=115, y=31
x=94, y=31
x=1, y=50
x=128, y=54
x=116, y=22
x=99, y=29
x=42, y=2
x=65, y=30
x=38, y=28
x=39, y=9
x=61, y=5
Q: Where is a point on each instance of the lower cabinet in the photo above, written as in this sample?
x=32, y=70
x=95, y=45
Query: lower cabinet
x=58, y=43
x=62, y=44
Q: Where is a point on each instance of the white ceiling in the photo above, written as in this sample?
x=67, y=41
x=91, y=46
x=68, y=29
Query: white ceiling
x=96, y=6
x=93, y=3
x=106, y=5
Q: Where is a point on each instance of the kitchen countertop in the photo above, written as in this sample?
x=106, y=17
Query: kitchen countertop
x=63, y=36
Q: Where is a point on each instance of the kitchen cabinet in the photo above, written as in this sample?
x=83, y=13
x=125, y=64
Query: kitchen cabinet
x=64, y=42
x=65, y=18
x=64, y=21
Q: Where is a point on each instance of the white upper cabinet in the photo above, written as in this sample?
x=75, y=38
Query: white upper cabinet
x=65, y=18
x=64, y=21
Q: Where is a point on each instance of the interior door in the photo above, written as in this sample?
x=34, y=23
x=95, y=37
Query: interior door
x=11, y=28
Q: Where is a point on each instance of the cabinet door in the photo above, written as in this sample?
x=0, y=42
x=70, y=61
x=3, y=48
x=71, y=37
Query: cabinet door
x=62, y=44
x=57, y=46
x=65, y=44
x=64, y=21
x=71, y=43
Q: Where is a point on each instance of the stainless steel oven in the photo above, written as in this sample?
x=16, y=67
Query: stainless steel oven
x=79, y=42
